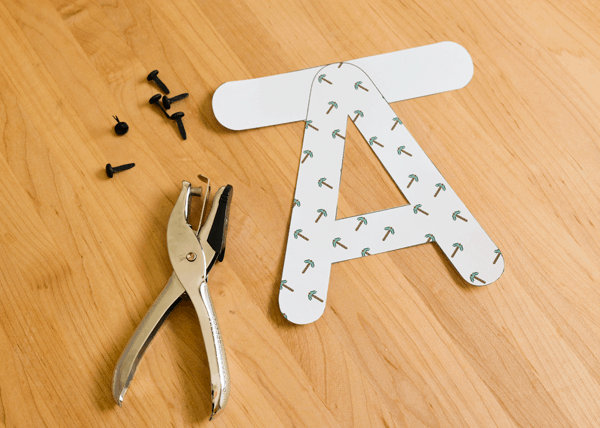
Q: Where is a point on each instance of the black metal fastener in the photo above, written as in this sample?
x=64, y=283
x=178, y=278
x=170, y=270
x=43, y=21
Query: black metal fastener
x=166, y=101
x=156, y=100
x=177, y=117
x=153, y=76
x=121, y=128
x=110, y=170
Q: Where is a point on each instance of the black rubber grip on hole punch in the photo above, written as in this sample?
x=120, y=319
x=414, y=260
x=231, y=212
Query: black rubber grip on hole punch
x=218, y=233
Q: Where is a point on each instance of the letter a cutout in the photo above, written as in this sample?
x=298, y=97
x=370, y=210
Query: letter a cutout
x=316, y=239
x=338, y=91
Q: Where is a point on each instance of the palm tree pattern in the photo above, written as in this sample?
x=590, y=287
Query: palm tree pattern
x=309, y=263
x=336, y=242
x=440, y=186
x=307, y=154
x=457, y=246
x=373, y=140
x=298, y=233
x=322, y=213
x=413, y=177
x=332, y=104
x=313, y=295
x=401, y=150
x=361, y=221
x=388, y=229
x=435, y=213
x=499, y=253
x=283, y=284
x=309, y=123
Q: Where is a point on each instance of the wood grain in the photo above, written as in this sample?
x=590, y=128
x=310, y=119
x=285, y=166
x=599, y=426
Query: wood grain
x=404, y=341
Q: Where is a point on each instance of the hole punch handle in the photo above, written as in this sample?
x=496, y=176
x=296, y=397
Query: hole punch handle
x=215, y=350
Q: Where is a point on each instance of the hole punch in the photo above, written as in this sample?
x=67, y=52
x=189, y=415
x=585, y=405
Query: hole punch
x=193, y=253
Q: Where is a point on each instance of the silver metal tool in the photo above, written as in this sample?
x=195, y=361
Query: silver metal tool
x=192, y=254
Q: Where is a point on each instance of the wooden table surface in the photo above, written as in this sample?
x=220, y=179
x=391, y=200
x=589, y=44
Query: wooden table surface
x=404, y=341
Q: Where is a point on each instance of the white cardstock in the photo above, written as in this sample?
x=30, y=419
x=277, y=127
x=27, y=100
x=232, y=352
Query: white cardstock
x=400, y=75
x=316, y=240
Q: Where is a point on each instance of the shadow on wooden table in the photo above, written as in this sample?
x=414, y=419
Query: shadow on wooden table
x=274, y=312
x=191, y=363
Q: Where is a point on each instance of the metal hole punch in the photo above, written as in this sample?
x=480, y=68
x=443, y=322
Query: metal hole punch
x=193, y=253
